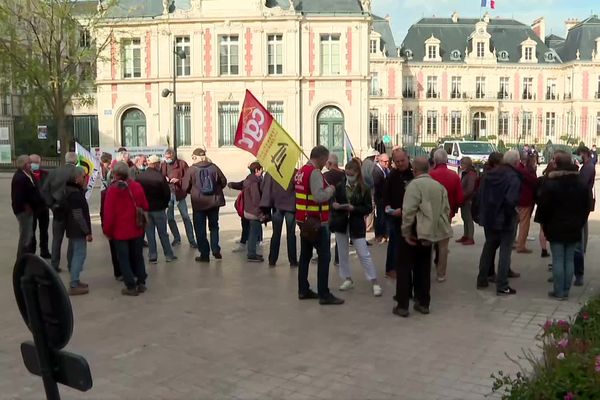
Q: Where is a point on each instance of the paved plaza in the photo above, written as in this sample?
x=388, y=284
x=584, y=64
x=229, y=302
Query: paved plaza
x=232, y=330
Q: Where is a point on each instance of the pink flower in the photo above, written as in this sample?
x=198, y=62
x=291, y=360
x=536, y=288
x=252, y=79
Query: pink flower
x=597, y=366
x=548, y=325
x=563, y=325
x=569, y=396
x=563, y=343
x=585, y=316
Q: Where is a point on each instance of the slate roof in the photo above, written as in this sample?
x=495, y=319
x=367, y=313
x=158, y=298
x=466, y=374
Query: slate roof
x=388, y=44
x=506, y=35
x=581, y=37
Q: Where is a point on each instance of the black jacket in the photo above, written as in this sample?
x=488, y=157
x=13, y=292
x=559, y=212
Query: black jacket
x=499, y=194
x=379, y=180
x=563, y=206
x=343, y=221
x=394, y=188
x=24, y=193
x=77, y=212
x=156, y=188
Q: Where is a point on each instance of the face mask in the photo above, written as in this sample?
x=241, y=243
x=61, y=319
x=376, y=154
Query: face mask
x=351, y=179
x=169, y=161
x=143, y=168
x=35, y=167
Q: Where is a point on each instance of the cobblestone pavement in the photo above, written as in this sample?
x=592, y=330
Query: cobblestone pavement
x=231, y=330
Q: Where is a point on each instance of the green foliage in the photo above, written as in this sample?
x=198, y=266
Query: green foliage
x=570, y=364
x=501, y=146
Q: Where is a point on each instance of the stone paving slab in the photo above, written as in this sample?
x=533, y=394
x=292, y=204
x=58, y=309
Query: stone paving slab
x=230, y=330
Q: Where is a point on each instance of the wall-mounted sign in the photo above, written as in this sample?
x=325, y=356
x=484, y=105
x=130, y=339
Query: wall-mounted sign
x=4, y=133
x=42, y=131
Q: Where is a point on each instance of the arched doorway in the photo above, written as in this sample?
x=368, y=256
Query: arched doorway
x=133, y=128
x=479, y=125
x=330, y=125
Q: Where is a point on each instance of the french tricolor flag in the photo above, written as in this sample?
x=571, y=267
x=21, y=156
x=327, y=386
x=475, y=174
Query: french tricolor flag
x=492, y=4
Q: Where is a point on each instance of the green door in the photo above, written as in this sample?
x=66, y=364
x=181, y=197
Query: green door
x=133, y=128
x=330, y=123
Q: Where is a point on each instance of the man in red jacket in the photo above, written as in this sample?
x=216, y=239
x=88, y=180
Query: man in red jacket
x=451, y=181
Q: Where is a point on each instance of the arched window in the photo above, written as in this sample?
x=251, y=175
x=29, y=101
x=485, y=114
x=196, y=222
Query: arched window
x=330, y=130
x=133, y=128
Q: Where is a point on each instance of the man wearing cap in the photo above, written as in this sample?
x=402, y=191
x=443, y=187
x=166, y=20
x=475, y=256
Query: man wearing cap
x=158, y=193
x=205, y=182
x=174, y=169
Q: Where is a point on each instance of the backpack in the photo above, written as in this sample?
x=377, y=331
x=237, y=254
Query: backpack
x=206, y=181
x=239, y=204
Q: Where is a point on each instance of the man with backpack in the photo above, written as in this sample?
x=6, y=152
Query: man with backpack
x=205, y=182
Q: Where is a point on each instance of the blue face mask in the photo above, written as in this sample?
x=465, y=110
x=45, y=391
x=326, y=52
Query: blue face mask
x=35, y=167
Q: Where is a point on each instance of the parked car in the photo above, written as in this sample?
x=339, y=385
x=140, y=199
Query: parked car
x=476, y=150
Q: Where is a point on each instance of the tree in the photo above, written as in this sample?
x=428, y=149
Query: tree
x=48, y=56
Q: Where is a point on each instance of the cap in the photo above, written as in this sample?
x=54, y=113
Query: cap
x=153, y=159
x=199, y=152
x=371, y=153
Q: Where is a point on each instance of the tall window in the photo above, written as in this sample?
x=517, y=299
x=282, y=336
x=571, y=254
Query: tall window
x=598, y=124
x=408, y=91
x=503, y=123
x=480, y=87
x=330, y=54
x=550, y=124
x=432, y=52
x=373, y=123
x=183, y=124
x=480, y=49
x=183, y=65
x=529, y=53
x=551, y=89
x=375, y=90
x=408, y=126
x=276, y=109
x=131, y=56
x=373, y=46
x=432, y=87
x=455, y=122
x=568, y=88
x=85, y=39
x=229, y=55
x=527, y=88
x=5, y=108
x=456, y=87
x=504, y=91
x=275, y=49
x=598, y=89
x=432, y=120
x=527, y=123
x=229, y=114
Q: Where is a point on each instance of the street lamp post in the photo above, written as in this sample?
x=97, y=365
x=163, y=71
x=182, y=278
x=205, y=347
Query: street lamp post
x=166, y=92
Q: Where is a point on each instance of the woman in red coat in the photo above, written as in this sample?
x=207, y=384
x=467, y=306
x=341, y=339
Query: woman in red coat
x=120, y=224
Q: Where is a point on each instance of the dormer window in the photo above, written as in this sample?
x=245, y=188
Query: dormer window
x=528, y=51
x=503, y=55
x=373, y=46
x=432, y=49
x=432, y=52
x=408, y=54
x=549, y=57
x=480, y=49
x=455, y=55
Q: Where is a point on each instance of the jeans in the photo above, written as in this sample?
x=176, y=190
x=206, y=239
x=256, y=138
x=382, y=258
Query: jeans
x=41, y=218
x=200, y=218
x=413, y=272
x=380, y=221
x=495, y=239
x=467, y=217
x=58, y=233
x=391, y=259
x=25, y=220
x=187, y=222
x=157, y=222
x=323, y=247
x=131, y=261
x=253, y=236
x=290, y=223
x=77, y=255
x=245, y=230
x=579, y=258
x=362, y=250
x=562, y=267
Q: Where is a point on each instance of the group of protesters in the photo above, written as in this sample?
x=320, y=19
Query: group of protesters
x=409, y=204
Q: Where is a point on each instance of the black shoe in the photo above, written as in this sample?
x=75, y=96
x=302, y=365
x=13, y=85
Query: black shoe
x=506, y=291
x=331, y=300
x=153, y=261
x=255, y=259
x=46, y=255
x=554, y=296
x=482, y=285
x=545, y=254
x=130, y=292
x=202, y=259
x=272, y=264
x=578, y=281
x=421, y=309
x=193, y=245
x=175, y=243
x=59, y=269
x=401, y=312
x=513, y=274
x=294, y=264
x=218, y=256
x=551, y=279
x=119, y=278
x=141, y=288
x=310, y=295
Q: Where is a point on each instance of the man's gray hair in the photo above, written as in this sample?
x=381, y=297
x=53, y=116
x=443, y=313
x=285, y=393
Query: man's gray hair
x=511, y=157
x=76, y=173
x=333, y=158
x=71, y=157
x=121, y=170
x=35, y=156
x=440, y=157
x=22, y=160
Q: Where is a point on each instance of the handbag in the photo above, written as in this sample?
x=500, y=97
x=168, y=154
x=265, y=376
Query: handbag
x=309, y=229
x=140, y=214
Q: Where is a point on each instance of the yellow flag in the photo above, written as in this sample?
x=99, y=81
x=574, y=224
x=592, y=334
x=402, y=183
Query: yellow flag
x=279, y=154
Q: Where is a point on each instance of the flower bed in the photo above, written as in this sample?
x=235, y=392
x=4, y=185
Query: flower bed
x=569, y=368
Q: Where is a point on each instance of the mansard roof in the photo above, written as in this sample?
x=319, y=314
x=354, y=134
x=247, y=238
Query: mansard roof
x=581, y=37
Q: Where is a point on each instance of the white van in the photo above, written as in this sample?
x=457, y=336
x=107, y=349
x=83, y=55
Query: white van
x=477, y=151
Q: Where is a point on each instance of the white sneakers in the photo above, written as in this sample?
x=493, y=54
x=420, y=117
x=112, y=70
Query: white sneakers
x=241, y=248
x=377, y=290
x=349, y=284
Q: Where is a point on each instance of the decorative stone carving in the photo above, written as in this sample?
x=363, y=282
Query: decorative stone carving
x=166, y=4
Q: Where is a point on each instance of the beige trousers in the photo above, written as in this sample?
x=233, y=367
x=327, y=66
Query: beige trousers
x=524, y=222
x=442, y=263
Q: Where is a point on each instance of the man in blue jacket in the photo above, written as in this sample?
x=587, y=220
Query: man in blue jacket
x=499, y=197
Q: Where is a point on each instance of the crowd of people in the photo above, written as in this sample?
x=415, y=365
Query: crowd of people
x=408, y=204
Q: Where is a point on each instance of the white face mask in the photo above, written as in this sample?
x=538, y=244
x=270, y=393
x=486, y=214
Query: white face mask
x=351, y=179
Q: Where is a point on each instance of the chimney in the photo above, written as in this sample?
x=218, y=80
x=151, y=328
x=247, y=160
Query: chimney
x=388, y=18
x=539, y=28
x=570, y=23
x=455, y=17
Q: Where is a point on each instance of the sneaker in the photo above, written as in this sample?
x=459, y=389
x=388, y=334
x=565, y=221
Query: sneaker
x=176, y=243
x=241, y=247
x=78, y=291
x=390, y=274
x=462, y=239
x=578, y=281
x=141, y=288
x=441, y=279
x=545, y=253
x=468, y=242
x=506, y=291
x=202, y=259
x=513, y=274
x=401, y=312
x=255, y=258
x=129, y=292
x=421, y=309
x=310, y=295
x=153, y=261
x=171, y=259
x=377, y=290
x=559, y=298
x=347, y=285
x=331, y=300
x=217, y=256
x=193, y=245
